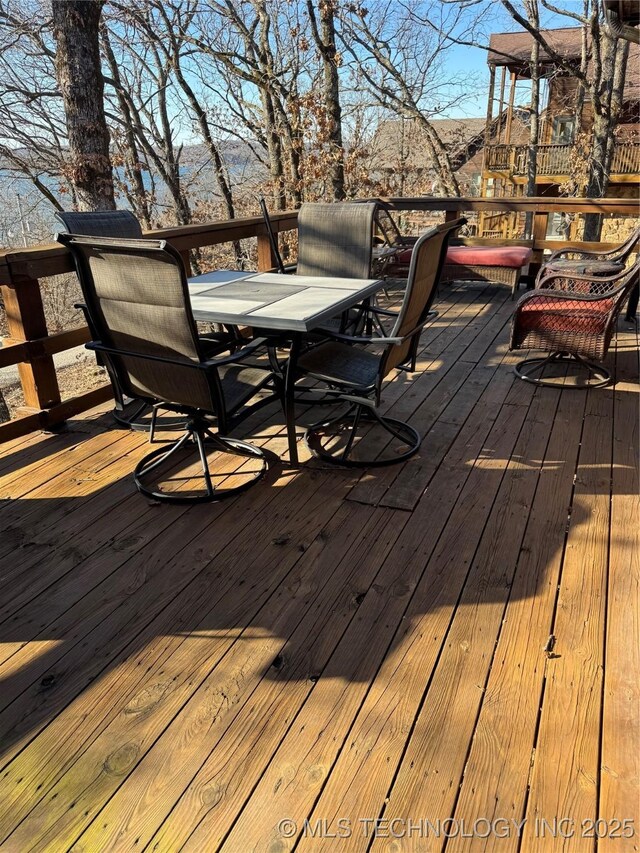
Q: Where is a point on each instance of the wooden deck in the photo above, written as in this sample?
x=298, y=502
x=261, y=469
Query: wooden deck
x=448, y=647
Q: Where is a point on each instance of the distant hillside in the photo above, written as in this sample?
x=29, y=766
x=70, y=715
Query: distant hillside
x=234, y=152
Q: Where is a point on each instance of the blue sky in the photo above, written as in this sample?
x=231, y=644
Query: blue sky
x=474, y=60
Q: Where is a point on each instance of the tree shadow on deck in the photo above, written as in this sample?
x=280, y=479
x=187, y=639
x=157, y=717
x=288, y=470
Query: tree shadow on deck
x=291, y=578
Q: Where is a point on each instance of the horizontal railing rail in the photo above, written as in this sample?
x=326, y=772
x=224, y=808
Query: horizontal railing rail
x=31, y=347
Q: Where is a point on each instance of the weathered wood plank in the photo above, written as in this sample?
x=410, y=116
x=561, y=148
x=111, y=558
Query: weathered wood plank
x=111, y=618
x=451, y=651
x=564, y=781
x=202, y=672
x=497, y=770
x=620, y=761
x=296, y=773
x=299, y=632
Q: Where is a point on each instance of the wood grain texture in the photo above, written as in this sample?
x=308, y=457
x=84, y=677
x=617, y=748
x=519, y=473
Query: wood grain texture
x=620, y=757
x=565, y=773
x=183, y=678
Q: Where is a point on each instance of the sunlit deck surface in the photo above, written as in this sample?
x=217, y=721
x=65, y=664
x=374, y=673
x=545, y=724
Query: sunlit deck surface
x=455, y=637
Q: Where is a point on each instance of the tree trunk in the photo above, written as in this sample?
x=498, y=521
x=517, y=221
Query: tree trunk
x=325, y=39
x=532, y=159
x=76, y=28
x=440, y=159
x=610, y=62
x=534, y=113
x=274, y=149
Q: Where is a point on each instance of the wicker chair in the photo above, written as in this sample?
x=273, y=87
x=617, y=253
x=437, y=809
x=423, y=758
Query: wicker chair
x=617, y=255
x=573, y=319
x=122, y=224
x=584, y=261
x=355, y=375
x=137, y=305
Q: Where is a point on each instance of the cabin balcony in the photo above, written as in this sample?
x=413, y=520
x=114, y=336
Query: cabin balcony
x=555, y=162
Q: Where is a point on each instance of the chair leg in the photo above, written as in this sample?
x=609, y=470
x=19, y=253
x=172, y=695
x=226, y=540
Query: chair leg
x=199, y=433
x=351, y=419
x=531, y=370
x=133, y=415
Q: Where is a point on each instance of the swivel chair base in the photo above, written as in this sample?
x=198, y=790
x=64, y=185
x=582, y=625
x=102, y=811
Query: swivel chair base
x=594, y=374
x=200, y=435
x=139, y=416
x=350, y=420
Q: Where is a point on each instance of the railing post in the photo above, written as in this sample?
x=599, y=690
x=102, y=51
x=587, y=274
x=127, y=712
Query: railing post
x=26, y=322
x=266, y=256
x=539, y=233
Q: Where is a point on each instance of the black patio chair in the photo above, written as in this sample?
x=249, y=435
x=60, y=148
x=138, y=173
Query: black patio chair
x=334, y=241
x=355, y=374
x=137, y=305
x=122, y=224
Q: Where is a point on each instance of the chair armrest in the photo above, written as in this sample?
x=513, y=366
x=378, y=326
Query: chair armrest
x=565, y=296
x=386, y=312
x=80, y=306
x=97, y=346
x=239, y=355
x=560, y=253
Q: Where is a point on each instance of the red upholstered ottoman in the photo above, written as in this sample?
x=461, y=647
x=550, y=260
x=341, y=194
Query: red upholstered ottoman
x=486, y=263
x=477, y=263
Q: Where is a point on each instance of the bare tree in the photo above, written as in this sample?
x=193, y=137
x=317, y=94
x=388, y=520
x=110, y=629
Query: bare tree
x=399, y=49
x=33, y=134
x=325, y=39
x=76, y=26
x=257, y=45
x=125, y=140
x=534, y=111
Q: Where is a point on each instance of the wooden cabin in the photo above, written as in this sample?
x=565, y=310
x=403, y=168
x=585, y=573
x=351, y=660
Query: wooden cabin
x=563, y=135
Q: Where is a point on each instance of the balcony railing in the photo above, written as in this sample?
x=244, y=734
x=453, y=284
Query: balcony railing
x=556, y=159
x=31, y=347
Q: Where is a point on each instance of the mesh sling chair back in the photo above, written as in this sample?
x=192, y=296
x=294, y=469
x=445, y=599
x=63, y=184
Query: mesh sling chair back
x=103, y=223
x=573, y=318
x=355, y=375
x=335, y=240
x=138, y=306
x=122, y=224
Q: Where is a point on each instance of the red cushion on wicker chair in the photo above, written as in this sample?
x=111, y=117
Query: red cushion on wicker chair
x=513, y=257
x=568, y=315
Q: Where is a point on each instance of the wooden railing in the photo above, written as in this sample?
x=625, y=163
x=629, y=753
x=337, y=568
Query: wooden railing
x=31, y=347
x=626, y=159
x=555, y=159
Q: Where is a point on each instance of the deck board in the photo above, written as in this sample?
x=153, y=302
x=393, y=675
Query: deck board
x=333, y=646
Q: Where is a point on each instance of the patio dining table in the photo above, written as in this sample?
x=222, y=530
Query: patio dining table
x=277, y=303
